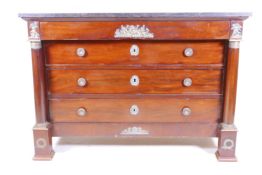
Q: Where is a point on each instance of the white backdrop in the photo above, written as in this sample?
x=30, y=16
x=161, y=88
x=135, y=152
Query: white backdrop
x=91, y=156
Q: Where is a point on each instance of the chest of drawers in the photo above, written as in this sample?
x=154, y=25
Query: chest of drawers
x=135, y=75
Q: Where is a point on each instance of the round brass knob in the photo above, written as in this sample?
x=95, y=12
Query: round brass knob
x=81, y=82
x=187, y=82
x=80, y=52
x=81, y=112
x=186, y=111
x=134, y=50
x=188, y=52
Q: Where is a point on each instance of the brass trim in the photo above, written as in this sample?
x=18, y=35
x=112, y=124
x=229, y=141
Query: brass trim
x=234, y=44
x=228, y=127
x=133, y=31
x=41, y=126
x=34, y=34
x=236, y=31
x=36, y=45
x=134, y=131
x=41, y=143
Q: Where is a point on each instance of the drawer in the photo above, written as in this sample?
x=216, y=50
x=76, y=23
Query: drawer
x=135, y=81
x=152, y=30
x=135, y=110
x=134, y=52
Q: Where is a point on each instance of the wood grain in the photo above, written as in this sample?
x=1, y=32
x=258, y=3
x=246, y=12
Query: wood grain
x=154, y=129
x=161, y=67
x=150, y=110
x=231, y=86
x=151, y=81
x=40, y=89
x=106, y=53
x=179, y=30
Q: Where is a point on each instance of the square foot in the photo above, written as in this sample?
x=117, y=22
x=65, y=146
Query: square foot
x=44, y=157
x=225, y=159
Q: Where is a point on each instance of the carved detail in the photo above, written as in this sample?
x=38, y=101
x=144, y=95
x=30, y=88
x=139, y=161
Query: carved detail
x=236, y=31
x=134, y=131
x=41, y=143
x=34, y=31
x=132, y=31
x=42, y=126
x=228, y=144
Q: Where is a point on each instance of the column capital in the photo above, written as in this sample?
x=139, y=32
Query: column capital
x=236, y=29
x=34, y=35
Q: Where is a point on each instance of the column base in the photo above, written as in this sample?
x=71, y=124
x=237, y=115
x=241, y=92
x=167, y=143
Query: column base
x=43, y=142
x=44, y=157
x=227, y=143
x=225, y=158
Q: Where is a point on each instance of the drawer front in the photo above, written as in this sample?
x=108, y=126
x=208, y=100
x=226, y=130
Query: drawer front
x=193, y=129
x=195, y=30
x=135, y=81
x=135, y=110
x=134, y=52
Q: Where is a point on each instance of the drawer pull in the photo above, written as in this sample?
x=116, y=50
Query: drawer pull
x=134, y=110
x=80, y=52
x=134, y=80
x=81, y=112
x=81, y=82
x=187, y=82
x=186, y=111
x=134, y=50
x=188, y=52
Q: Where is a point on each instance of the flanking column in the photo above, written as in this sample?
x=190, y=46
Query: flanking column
x=228, y=131
x=42, y=129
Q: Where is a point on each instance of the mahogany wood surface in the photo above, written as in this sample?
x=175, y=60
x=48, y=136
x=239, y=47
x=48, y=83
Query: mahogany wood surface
x=150, y=81
x=150, y=110
x=180, y=30
x=154, y=129
x=106, y=53
x=223, y=154
x=40, y=91
x=231, y=86
x=133, y=96
x=43, y=142
x=160, y=65
x=134, y=66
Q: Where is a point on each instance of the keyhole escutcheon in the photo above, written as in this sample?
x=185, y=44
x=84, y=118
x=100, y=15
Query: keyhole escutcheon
x=134, y=50
x=134, y=80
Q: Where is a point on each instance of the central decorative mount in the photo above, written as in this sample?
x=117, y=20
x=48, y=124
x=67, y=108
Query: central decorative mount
x=134, y=131
x=133, y=31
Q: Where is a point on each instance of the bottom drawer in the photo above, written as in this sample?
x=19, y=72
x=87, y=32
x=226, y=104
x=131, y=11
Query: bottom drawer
x=135, y=110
